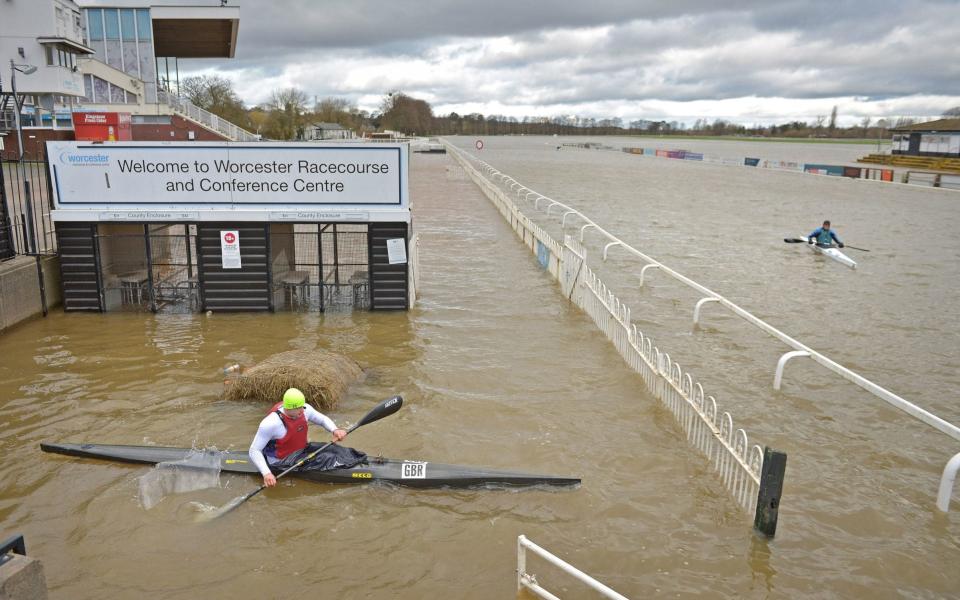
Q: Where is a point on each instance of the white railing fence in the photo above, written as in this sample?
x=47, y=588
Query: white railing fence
x=563, y=212
x=727, y=448
x=528, y=581
x=206, y=118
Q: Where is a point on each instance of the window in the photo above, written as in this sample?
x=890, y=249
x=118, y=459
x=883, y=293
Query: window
x=117, y=95
x=127, y=26
x=49, y=52
x=95, y=18
x=150, y=119
x=111, y=23
x=144, y=28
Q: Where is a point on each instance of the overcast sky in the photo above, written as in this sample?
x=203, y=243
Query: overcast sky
x=748, y=62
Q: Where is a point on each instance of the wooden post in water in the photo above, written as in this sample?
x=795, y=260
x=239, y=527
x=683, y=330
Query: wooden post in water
x=771, y=486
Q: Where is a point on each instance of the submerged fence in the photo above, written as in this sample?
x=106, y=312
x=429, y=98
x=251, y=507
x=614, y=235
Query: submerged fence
x=728, y=449
x=873, y=173
x=528, y=581
x=499, y=197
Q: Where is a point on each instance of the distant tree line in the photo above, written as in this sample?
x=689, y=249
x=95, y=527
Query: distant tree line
x=288, y=113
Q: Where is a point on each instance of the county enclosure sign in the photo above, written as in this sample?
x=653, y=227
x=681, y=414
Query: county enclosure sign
x=177, y=181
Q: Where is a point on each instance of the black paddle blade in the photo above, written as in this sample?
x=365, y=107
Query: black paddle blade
x=228, y=507
x=794, y=241
x=384, y=409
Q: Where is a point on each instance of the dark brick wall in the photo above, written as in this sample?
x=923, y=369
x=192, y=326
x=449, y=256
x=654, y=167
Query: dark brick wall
x=176, y=131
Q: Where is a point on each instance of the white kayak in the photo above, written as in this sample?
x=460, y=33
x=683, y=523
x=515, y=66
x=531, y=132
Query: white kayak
x=834, y=253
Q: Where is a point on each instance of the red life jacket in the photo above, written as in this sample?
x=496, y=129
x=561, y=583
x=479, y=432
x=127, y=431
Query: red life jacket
x=296, y=437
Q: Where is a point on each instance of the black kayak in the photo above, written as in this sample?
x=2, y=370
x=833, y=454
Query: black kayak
x=408, y=473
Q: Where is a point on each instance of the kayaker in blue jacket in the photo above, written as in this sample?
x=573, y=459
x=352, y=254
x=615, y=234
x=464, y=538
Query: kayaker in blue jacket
x=824, y=236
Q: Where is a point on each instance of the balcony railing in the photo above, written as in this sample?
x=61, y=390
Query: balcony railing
x=206, y=118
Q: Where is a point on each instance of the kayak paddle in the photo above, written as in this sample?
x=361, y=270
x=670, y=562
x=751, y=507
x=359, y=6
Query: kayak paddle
x=384, y=409
x=799, y=241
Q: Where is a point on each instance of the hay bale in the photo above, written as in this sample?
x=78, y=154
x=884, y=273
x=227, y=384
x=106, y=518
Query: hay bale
x=322, y=376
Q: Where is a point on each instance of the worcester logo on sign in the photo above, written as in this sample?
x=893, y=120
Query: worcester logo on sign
x=84, y=160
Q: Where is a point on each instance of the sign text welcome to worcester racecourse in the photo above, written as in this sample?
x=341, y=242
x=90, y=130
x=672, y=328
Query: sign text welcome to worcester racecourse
x=224, y=173
x=229, y=167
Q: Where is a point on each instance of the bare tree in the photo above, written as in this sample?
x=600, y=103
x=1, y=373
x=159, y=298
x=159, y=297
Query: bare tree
x=215, y=94
x=286, y=115
x=952, y=112
x=833, y=119
x=333, y=110
x=405, y=114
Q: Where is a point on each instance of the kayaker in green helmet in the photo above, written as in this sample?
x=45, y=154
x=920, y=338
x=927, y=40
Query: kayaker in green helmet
x=824, y=236
x=281, y=439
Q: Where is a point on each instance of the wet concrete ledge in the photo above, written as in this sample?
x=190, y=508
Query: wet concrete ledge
x=20, y=297
x=22, y=578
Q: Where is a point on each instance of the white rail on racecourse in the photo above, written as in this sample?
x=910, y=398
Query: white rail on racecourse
x=727, y=448
x=529, y=581
x=878, y=391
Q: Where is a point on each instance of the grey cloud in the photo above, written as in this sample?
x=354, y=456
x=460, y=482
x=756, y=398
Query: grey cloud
x=681, y=50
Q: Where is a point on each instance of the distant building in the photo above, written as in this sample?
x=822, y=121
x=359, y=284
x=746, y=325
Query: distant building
x=327, y=131
x=45, y=41
x=933, y=138
x=387, y=135
x=112, y=56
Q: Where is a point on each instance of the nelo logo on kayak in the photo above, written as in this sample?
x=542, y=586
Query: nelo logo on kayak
x=362, y=475
x=413, y=470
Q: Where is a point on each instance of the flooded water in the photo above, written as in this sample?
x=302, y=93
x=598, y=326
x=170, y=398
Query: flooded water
x=498, y=369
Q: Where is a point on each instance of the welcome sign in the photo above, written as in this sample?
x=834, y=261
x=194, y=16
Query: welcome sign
x=215, y=175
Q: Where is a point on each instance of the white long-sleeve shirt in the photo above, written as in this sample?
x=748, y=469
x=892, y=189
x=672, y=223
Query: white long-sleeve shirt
x=272, y=428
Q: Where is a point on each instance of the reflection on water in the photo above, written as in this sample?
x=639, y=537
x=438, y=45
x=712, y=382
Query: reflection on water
x=497, y=369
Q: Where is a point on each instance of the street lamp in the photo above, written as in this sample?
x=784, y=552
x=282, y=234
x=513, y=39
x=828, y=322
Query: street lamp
x=26, y=70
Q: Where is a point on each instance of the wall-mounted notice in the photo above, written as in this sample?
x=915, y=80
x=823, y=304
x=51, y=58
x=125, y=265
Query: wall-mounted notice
x=397, y=251
x=230, y=249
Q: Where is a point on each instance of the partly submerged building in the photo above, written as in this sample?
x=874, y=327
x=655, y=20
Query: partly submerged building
x=940, y=138
x=327, y=131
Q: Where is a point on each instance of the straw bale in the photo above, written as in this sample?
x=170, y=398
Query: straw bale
x=322, y=376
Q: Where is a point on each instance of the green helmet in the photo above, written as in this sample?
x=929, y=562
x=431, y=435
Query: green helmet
x=293, y=398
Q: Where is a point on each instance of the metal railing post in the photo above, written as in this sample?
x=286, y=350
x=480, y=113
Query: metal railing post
x=643, y=271
x=778, y=376
x=523, y=542
x=696, y=309
x=946, y=483
x=521, y=560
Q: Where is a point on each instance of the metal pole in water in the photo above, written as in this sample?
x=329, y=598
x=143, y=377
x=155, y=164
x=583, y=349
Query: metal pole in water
x=771, y=487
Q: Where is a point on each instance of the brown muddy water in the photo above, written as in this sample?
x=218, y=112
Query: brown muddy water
x=497, y=369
